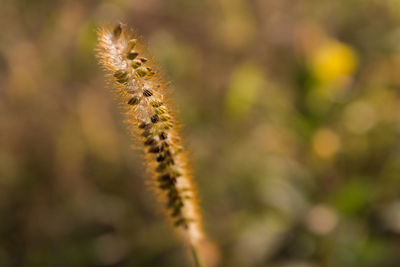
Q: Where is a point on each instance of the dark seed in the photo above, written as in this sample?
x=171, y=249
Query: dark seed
x=163, y=136
x=136, y=63
x=132, y=54
x=117, y=31
x=121, y=76
x=176, y=211
x=143, y=59
x=161, y=110
x=172, y=197
x=167, y=153
x=154, y=149
x=146, y=133
x=167, y=125
x=161, y=167
x=181, y=222
x=170, y=161
x=149, y=142
x=171, y=201
x=173, y=193
x=165, y=117
x=164, y=145
x=161, y=148
x=160, y=158
x=133, y=101
x=147, y=93
x=154, y=118
x=143, y=125
x=165, y=177
x=163, y=186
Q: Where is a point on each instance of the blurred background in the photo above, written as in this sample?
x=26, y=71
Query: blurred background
x=291, y=112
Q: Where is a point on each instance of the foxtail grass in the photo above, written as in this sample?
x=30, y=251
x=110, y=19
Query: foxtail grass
x=142, y=91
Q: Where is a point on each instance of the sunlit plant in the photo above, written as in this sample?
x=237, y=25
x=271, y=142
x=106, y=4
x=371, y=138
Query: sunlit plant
x=142, y=91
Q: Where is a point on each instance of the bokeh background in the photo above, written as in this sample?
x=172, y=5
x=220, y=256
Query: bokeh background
x=291, y=112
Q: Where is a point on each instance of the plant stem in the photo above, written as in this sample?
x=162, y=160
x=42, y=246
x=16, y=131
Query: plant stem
x=196, y=257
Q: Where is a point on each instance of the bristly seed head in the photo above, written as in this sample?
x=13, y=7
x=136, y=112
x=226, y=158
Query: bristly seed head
x=142, y=90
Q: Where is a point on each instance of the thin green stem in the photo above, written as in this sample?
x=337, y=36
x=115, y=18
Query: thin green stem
x=196, y=258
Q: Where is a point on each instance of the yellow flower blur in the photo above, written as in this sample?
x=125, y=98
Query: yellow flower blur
x=333, y=61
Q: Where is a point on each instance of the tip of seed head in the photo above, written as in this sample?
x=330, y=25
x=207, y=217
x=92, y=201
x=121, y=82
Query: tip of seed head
x=117, y=31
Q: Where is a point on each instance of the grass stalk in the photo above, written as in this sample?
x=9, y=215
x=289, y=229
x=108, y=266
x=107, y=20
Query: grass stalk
x=142, y=92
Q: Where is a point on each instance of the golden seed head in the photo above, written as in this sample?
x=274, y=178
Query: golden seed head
x=152, y=118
